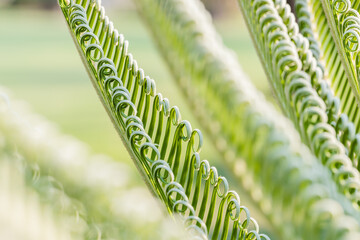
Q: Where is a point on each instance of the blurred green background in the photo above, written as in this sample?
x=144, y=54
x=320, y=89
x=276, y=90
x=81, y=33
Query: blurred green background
x=40, y=65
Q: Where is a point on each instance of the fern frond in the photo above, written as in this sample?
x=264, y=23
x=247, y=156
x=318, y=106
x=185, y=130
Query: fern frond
x=91, y=189
x=346, y=122
x=300, y=101
x=344, y=24
x=344, y=128
x=260, y=145
x=164, y=148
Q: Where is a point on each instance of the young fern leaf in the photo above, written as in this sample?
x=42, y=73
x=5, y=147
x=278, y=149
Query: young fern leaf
x=164, y=147
x=260, y=145
x=344, y=24
x=299, y=100
x=346, y=121
x=344, y=128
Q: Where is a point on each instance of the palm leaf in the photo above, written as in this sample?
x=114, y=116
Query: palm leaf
x=343, y=22
x=299, y=100
x=253, y=138
x=346, y=121
x=164, y=148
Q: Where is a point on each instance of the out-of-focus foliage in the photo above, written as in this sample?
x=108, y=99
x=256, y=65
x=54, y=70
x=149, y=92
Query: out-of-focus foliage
x=93, y=195
x=21, y=208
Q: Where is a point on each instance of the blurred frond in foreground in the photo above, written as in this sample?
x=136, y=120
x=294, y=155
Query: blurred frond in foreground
x=21, y=208
x=92, y=196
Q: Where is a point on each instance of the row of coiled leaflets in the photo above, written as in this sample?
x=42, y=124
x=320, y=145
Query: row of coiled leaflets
x=305, y=194
x=164, y=147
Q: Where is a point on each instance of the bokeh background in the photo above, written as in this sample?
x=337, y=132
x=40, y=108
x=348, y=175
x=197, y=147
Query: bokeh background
x=40, y=65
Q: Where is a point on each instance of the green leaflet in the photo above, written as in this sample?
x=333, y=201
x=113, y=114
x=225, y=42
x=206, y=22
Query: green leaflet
x=164, y=148
x=347, y=125
x=91, y=191
x=305, y=27
x=299, y=100
x=258, y=143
